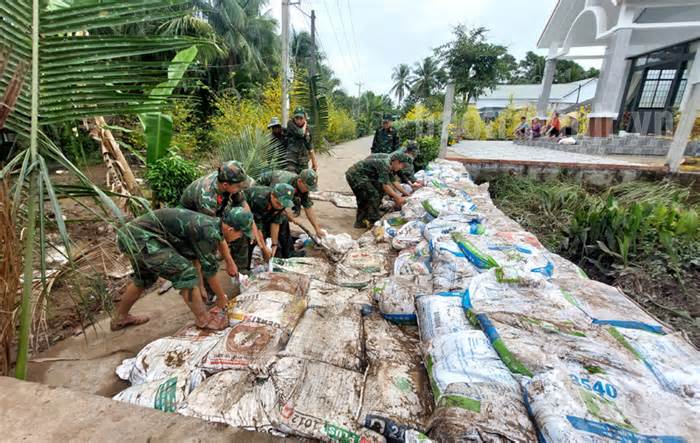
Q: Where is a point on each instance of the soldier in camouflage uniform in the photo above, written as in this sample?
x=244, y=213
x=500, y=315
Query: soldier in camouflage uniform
x=179, y=245
x=386, y=139
x=268, y=205
x=369, y=180
x=395, y=175
x=299, y=144
x=407, y=175
x=212, y=195
x=302, y=183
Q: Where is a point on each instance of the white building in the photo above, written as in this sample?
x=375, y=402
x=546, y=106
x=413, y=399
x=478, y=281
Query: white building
x=650, y=69
x=563, y=97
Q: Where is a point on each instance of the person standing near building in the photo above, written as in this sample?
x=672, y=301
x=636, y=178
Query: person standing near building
x=302, y=183
x=180, y=246
x=369, y=180
x=386, y=139
x=299, y=143
x=217, y=192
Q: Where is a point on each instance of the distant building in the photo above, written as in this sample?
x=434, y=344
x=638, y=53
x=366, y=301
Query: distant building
x=651, y=64
x=563, y=97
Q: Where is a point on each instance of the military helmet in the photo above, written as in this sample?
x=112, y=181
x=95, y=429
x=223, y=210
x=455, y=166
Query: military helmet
x=284, y=193
x=233, y=172
x=310, y=179
x=240, y=220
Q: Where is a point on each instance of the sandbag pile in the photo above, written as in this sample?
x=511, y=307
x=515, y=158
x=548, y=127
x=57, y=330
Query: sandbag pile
x=513, y=343
x=520, y=345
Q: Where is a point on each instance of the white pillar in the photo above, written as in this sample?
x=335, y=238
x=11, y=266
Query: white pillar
x=446, y=118
x=547, y=80
x=613, y=75
x=689, y=112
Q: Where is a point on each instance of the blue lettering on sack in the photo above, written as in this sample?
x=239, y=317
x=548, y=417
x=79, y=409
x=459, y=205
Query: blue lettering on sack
x=600, y=387
x=617, y=433
x=547, y=270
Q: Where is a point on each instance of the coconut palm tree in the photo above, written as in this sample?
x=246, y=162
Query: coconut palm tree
x=69, y=71
x=402, y=81
x=428, y=76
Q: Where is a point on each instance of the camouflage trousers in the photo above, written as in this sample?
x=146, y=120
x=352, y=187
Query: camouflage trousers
x=150, y=258
x=368, y=197
x=239, y=253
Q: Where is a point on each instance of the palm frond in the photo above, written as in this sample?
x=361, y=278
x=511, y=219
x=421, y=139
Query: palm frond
x=311, y=93
x=254, y=148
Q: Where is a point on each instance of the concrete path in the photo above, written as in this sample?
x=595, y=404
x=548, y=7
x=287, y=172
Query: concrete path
x=331, y=172
x=33, y=412
x=507, y=150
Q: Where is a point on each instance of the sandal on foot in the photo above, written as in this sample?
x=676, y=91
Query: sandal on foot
x=129, y=320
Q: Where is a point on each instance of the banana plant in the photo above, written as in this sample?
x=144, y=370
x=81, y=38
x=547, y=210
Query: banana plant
x=72, y=74
x=158, y=126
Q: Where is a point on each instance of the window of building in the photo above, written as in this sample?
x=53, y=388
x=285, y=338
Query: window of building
x=681, y=88
x=657, y=87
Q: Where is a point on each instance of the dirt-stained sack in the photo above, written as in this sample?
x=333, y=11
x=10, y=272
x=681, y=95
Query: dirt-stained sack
x=247, y=345
x=570, y=403
x=396, y=297
x=475, y=393
x=161, y=358
x=385, y=341
x=165, y=394
x=410, y=234
x=318, y=400
x=396, y=399
x=440, y=315
x=331, y=335
x=322, y=294
x=275, y=308
x=233, y=397
x=295, y=284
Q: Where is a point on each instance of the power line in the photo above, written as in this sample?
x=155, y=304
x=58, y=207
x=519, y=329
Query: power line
x=343, y=53
x=345, y=36
x=352, y=28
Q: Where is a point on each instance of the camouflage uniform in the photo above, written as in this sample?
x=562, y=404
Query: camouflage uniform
x=366, y=179
x=265, y=215
x=385, y=141
x=301, y=199
x=164, y=243
x=298, y=147
x=203, y=195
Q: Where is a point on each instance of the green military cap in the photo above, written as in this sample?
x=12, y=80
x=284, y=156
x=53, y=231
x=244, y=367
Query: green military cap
x=240, y=220
x=299, y=112
x=284, y=193
x=411, y=146
x=388, y=117
x=233, y=172
x=400, y=156
x=310, y=179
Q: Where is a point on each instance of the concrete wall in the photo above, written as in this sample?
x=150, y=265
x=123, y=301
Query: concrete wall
x=614, y=145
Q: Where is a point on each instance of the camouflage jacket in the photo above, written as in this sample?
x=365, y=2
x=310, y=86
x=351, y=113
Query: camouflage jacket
x=193, y=235
x=271, y=178
x=374, y=168
x=202, y=195
x=385, y=141
x=407, y=174
x=258, y=198
x=299, y=144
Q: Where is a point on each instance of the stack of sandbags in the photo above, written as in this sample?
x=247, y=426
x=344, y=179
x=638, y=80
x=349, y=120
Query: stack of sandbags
x=396, y=296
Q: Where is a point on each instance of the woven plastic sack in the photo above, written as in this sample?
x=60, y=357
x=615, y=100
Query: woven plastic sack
x=408, y=235
x=440, y=315
x=322, y=294
x=396, y=296
x=275, y=308
x=165, y=394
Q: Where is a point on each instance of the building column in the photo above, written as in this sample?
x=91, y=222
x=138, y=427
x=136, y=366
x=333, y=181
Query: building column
x=547, y=80
x=611, y=85
x=689, y=112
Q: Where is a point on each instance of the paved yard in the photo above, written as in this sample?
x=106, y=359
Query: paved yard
x=506, y=150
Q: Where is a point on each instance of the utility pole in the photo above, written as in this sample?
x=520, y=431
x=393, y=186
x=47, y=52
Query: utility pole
x=285, y=61
x=446, y=118
x=312, y=68
x=357, y=108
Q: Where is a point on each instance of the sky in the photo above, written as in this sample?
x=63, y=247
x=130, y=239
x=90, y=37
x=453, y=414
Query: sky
x=364, y=39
